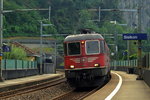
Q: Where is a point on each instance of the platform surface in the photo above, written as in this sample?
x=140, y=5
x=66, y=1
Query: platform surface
x=24, y=80
x=131, y=89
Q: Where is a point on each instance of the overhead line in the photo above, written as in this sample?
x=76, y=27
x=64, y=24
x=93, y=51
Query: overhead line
x=130, y=10
x=22, y=10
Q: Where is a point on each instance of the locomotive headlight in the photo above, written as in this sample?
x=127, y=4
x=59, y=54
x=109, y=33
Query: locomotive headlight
x=96, y=65
x=72, y=66
x=82, y=42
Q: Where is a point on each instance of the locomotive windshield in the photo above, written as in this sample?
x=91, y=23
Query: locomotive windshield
x=92, y=47
x=74, y=48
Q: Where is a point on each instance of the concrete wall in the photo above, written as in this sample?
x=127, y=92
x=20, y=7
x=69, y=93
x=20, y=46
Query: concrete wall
x=145, y=73
x=49, y=68
x=146, y=77
x=12, y=74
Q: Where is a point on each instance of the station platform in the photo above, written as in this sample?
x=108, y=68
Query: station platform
x=131, y=89
x=20, y=82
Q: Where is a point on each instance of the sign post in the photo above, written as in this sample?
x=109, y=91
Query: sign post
x=139, y=37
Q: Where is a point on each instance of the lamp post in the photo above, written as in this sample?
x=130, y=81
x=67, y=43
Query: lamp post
x=140, y=77
x=41, y=43
x=115, y=38
x=115, y=22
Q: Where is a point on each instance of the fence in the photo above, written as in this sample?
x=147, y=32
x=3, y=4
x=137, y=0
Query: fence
x=125, y=63
x=133, y=63
x=8, y=64
x=146, y=61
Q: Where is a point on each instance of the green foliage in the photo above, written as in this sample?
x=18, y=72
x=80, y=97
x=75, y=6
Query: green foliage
x=23, y=23
x=85, y=20
x=16, y=53
x=67, y=16
x=48, y=50
x=132, y=57
x=115, y=31
x=45, y=49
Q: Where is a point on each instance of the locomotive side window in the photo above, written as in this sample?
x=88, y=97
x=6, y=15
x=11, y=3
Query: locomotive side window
x=74, y=48
x=102, y=46
x=65, y=48
x=92, y=47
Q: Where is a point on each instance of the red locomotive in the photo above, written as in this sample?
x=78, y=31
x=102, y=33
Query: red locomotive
x=86, y=59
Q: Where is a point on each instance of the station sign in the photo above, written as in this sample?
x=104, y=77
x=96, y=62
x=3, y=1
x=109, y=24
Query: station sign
x=135, y=36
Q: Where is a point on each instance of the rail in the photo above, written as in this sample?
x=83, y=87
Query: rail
x=29, y=88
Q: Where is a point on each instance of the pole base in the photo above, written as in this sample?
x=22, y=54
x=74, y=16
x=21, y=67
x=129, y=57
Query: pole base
x=139, y=78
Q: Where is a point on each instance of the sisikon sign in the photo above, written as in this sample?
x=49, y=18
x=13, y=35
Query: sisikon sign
x=135, y=36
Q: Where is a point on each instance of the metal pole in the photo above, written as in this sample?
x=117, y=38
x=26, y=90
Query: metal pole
x=41, y=30
x=99, y=13
x=149, y=60
x=128, y=56
x=55, y=61
x=128, y=48
x=139, y=44
x=1, y=37
x=49, y=14
x=116, y=46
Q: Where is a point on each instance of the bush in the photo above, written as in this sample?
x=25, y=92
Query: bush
x=16, y=53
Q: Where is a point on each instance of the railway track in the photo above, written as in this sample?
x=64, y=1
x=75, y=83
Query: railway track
x=80, y=93
x=77, y=94
x=31, y=88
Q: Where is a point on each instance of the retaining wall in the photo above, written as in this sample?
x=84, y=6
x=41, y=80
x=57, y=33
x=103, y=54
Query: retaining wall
x=13, y=74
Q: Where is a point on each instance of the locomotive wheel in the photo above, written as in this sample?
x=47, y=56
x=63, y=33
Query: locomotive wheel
x=108, y=76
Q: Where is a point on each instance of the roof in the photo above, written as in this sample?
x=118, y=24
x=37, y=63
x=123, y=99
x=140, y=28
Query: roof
x=83, y=37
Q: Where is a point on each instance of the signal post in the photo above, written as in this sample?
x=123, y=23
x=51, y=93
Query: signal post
x=1, y=37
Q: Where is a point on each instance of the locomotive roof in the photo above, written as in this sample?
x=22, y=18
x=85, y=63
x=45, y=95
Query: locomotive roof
x=83, y=37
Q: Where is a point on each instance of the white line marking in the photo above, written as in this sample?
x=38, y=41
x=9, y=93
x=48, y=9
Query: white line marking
x=116, y=89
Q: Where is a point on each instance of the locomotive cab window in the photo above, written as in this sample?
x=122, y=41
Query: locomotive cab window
x=92, y=47
x=74, y=48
